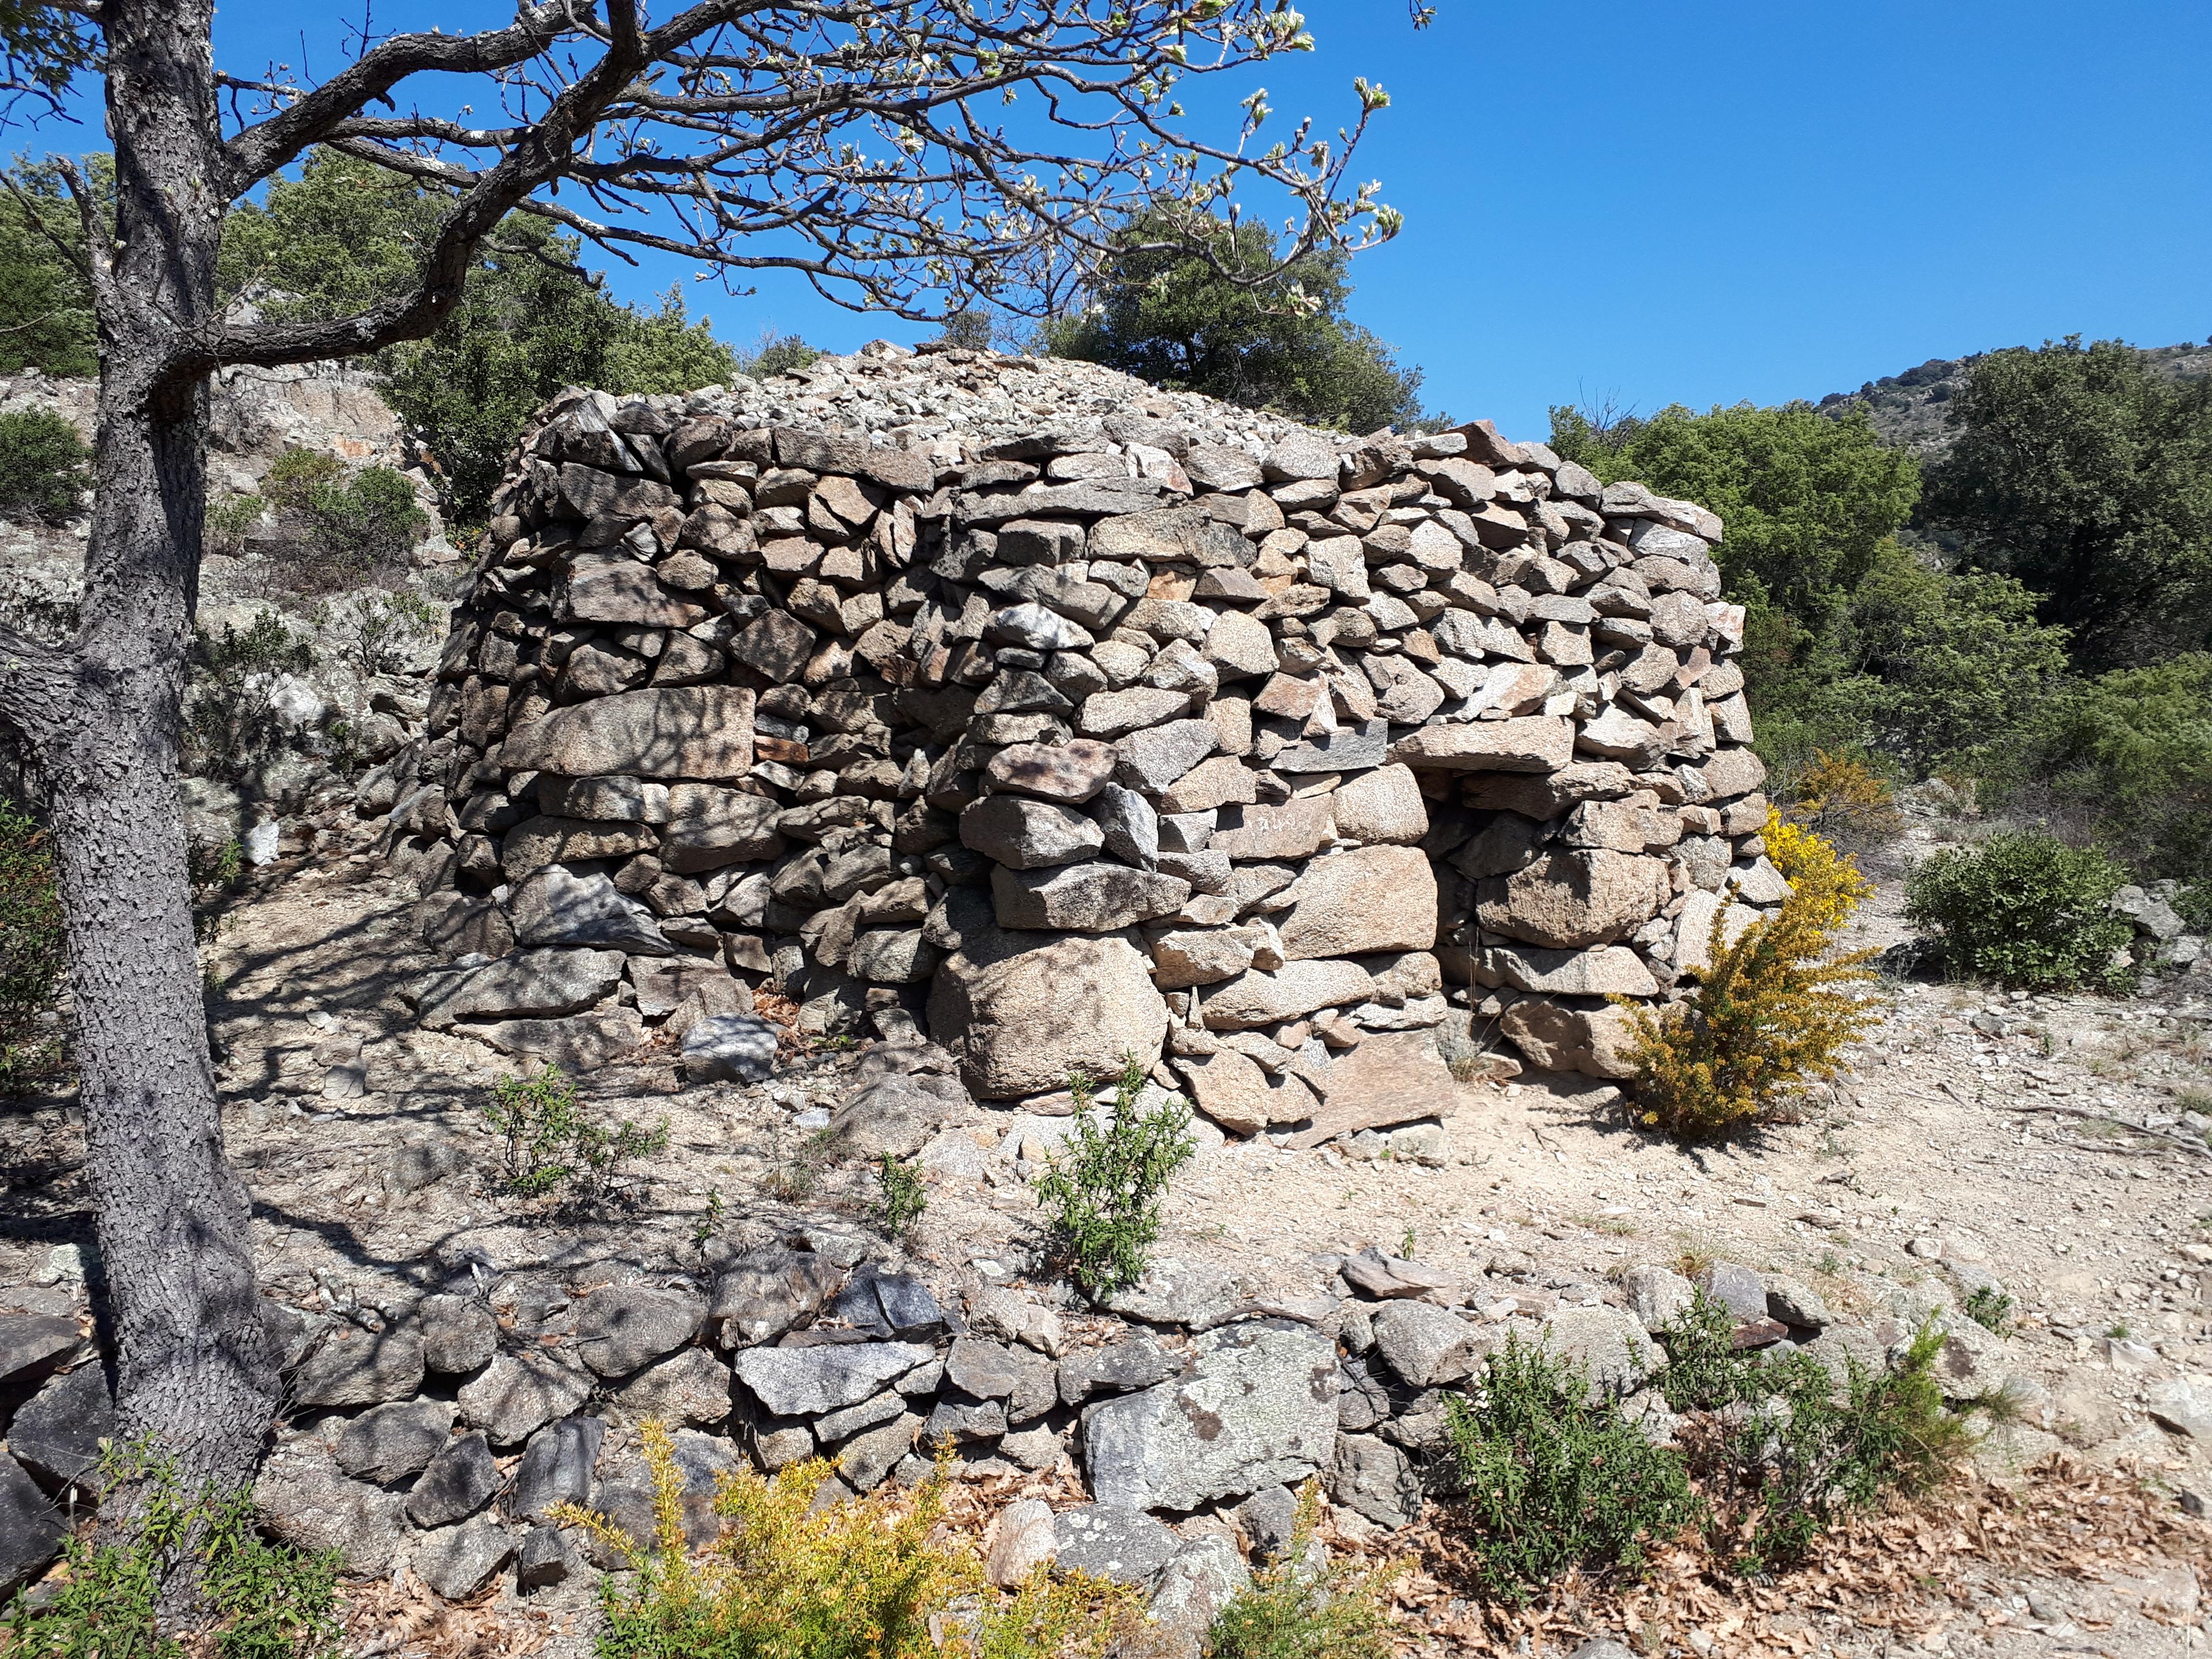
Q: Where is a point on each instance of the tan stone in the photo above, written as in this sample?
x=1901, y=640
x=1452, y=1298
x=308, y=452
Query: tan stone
x=1367, y=899
x=708, y=827
x=1392, y=1077
x=1535, y=742
x=1597, y=1042
x=614, y=587
x=1733, y=772
x=1297, y=987
x=1382, y=805
x=535, y=842
x=1293, y=830
x=1023, y=1011
x=703, y=731
x=1225, y=780
x=1238, y=644
x=1604, y=970
x=1571, y=898
x=1693, y=929
x=1235, y=1093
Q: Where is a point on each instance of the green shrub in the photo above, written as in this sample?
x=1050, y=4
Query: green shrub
x=1105, y=1182
x=30, y=952
x=1789, y=1450
x=256, y=1600
x=228, y=522
x=555, y=1147
x=900, y=1197
x=1990, y=1307
x=373, y=628
x=1297, y=1608
x=1552, y=1480
x=231, y=729
x=877, y=1577
x=43, y=467
x=2024, y=909
x=345, y=525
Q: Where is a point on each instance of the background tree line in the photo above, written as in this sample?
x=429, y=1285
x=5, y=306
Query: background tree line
x=2032, y=610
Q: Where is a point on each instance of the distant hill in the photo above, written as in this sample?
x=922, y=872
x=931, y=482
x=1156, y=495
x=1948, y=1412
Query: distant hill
x=1907, y=410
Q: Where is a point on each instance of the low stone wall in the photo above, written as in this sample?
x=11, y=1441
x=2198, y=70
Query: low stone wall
x=1069, y=719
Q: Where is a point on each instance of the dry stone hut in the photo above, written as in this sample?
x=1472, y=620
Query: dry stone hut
x=1057, y=717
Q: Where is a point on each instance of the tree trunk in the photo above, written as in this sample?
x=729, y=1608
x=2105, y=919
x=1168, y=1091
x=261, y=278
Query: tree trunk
x=197, y=1371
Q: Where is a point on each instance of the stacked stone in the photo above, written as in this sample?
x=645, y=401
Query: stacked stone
x=1153, y=727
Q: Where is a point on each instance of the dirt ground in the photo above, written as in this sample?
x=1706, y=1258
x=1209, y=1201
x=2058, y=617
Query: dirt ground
x=2039, y=1140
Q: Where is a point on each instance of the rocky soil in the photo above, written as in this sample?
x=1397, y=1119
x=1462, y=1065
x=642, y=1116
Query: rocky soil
x=2050, y=1146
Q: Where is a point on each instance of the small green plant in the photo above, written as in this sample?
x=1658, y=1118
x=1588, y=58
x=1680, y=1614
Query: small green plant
x=1553, y=1480
x=345, y=526
x=30, y=952
x=231, y=727
x=2024, y=909
x=2117, y=1330
x=789, y=1577
x=229, y=521
x=1406, y=1246
x=554, y=1145
x=1990, y=1307
x=710, y=1218
x=43, y=468
x=899, y=1196
x=256, y=1600
x=1105, y=1184
x=373, y=630
x=1296, y=1609
x=1787, y=1447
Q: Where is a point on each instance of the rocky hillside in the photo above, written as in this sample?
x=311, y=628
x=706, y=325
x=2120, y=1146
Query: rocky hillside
x=1908, y=409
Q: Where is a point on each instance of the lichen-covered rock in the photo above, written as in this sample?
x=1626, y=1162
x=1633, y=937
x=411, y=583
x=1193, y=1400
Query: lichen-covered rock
x=1256, y=1408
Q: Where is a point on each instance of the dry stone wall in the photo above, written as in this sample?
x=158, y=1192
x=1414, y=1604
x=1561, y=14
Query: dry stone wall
x=1066, y=717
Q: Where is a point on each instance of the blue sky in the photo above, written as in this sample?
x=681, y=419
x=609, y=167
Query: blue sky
x=1664, y=201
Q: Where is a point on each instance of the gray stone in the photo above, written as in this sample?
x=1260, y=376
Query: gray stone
x=1117, y=1542
x=1070, y=773
x=556, y=1467
x=1023, y=834
x=1377, y=1478
x=519, y=1394
x=359, y=1368
x=1269, y=1520
x=1032, y=626
x=31, y=1529
x=1367, y=899
x=33, y=1345
x=624, y=1327
x=1107, y=714
x=965, y=1421
x=459, y=1332
x=872, y=1413
x=531, y=984
x=864, y=1462
x=729, y=1048
x=1196, y=1295
x=1256, y=1408
x=1597, y=971
x=692, y=1388
x=1609, y=1345
x=625, y=1499
x=1036, y=1448
x=764, y=1292
x=306, y=1503
x=1533, y=743
x=1202, y=1579
x=889, y=1305
x=709, y=828
x=554, y=906
x=1428, y=1345
x=1351, y=749
x=461, y=1560
x=995, y=1311
x=1795, y=1304
x=1129, y=823
x=899, y=1113
x=1295, y=988
x=2183, y=1404
x=56, y=1432
x=1735, y=1287
x=1084, y=898
x=703, y=731
x=545, y=1559
x=809, y=1382
x=1023, y=1012
x=394, y=1440
x=580, y=1044
x=1657, y=1296
x=1121, y=1367
x=1151, y=760
x=460, y=1480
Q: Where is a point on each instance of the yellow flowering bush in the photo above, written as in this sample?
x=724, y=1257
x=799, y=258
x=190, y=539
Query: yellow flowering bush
x=871, y=1577
x=1771, y=1014
x=1843, y=795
